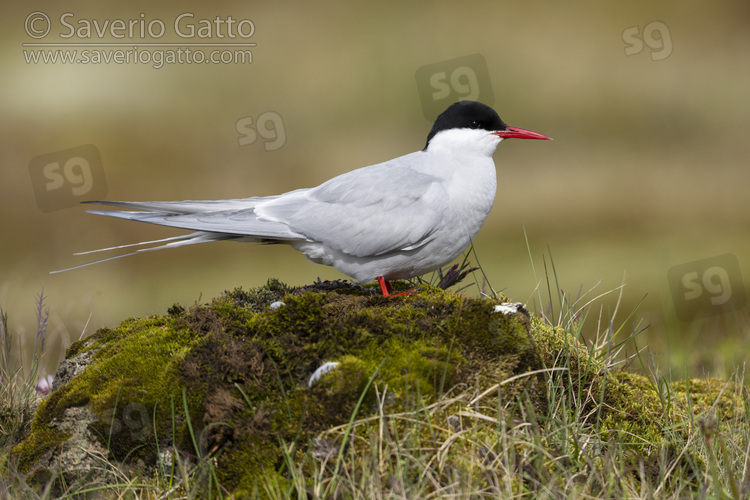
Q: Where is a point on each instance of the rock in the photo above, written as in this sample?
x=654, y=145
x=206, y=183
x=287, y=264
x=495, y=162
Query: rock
x=230, y=381
x=70, y=367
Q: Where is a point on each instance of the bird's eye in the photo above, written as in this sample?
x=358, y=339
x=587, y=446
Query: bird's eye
x=474, y=124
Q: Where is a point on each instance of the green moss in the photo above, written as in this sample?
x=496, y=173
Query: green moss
x=632, y=409
x=723, y=398
x=557, y=347
x=416, y=344
x=130, y=385
x=633, y=406
x=43, y=440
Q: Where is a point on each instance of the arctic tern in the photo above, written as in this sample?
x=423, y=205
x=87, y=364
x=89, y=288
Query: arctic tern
x=393, y=220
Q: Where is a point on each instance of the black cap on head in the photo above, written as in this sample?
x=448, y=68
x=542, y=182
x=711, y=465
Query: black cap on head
x=467, y=114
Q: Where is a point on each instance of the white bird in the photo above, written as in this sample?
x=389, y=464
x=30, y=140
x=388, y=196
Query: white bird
x=393, y=220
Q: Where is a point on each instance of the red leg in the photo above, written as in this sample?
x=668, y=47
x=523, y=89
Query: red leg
x=385, y=286
x=387, y=289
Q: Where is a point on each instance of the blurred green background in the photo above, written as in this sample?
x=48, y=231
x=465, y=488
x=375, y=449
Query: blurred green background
x=648, y=169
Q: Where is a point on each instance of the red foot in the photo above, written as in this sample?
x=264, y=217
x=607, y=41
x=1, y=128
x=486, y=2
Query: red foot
x=387, y=289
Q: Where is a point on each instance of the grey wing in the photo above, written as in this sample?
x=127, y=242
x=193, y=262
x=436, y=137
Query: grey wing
x=370, y=211
x=187, y=206
x=230, y=217
x=366, y=212
x=212, y=220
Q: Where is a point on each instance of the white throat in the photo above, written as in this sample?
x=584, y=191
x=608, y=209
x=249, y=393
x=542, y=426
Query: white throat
x=464, y=141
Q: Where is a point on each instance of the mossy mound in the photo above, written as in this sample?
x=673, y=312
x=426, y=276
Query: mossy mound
x=230, y=379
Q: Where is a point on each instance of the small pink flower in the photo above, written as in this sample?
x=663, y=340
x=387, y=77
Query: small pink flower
x=44, y=385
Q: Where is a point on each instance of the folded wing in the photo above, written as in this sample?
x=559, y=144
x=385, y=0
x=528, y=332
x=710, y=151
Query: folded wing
x=367, y=212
